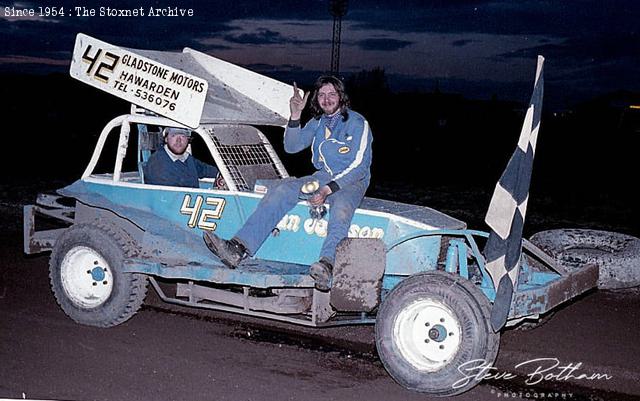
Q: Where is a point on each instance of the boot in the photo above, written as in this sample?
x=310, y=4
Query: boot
x=321, y=271
x=231, y=252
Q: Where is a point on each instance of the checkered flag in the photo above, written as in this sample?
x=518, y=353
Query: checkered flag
x=507, y=210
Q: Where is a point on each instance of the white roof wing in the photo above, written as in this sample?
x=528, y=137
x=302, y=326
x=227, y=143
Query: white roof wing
x=224, y=92
x=267, y=92
x=167, y=91
x=235, y=94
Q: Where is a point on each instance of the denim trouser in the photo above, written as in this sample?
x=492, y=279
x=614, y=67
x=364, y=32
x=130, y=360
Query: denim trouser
x=283, y=196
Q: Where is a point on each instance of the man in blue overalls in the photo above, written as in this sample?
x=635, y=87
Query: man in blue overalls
x=340, y=141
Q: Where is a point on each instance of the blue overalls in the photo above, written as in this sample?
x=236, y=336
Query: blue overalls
x=341, y=151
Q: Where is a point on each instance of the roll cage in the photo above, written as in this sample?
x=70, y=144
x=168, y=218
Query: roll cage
x=241, y=152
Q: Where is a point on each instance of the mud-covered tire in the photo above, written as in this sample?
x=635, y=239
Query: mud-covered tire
x=428, y=327
x=617, y=255
x=87, y=278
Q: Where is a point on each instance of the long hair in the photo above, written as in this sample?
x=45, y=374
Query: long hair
x=344, y=102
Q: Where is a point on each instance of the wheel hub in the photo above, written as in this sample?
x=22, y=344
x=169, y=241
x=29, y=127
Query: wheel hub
x=427, y=334
x=97, y=273
x=86, y=277
x=438, y=333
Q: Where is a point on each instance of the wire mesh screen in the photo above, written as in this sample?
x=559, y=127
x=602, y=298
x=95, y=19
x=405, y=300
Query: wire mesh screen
x=245, y=155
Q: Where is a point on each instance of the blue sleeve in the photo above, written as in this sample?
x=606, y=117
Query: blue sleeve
x=297, y=139
x=361, y=163
x=205, y=170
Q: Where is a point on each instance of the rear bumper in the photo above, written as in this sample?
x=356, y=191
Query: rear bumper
x=541, y=300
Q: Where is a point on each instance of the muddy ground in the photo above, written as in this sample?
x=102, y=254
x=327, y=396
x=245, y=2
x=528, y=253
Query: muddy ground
x=172, y=353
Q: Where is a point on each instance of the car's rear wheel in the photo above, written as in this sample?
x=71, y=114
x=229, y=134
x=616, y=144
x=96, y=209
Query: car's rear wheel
x=87, y=278
x=430, y=328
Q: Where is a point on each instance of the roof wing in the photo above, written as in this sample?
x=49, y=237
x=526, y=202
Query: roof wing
x=165, y=90
x=235, y=94
x=195, y=89
x=263, y=91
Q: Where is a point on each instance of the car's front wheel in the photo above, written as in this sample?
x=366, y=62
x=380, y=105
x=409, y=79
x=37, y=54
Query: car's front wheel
x=87, y=278
x=433, y=333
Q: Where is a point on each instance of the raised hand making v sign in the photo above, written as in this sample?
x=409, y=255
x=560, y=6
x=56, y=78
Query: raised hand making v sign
x=297, y=103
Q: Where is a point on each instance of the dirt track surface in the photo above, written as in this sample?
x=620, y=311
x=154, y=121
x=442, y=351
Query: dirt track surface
x=174, y=353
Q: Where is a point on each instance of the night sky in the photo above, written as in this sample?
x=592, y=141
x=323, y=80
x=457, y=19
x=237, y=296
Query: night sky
x=479, y=49
x=460, y=74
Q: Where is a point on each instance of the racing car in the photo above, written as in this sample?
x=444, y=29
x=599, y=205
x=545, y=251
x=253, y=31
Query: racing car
x=419, y=275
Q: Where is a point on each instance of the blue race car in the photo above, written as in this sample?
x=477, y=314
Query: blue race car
x=417, y=274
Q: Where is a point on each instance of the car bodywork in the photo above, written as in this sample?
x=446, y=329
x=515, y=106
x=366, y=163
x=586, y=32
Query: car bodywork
x=167, y=223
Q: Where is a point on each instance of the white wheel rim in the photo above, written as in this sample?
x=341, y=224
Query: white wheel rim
x=427, y=334
x=86, y=277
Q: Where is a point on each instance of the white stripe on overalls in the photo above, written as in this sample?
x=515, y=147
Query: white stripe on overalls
x=360, y=155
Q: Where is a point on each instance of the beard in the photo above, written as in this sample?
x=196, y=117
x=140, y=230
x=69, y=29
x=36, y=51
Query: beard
x=177, y=151
x=330, y=110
